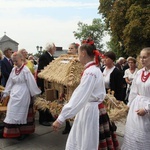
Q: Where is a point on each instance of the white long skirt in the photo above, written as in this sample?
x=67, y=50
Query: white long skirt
x=84, y=134
x=137, y=132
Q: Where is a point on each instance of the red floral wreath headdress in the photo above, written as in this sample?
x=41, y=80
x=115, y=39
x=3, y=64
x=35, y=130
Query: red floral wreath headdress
x=77, y=44
x=88, y=41
x=97, y=54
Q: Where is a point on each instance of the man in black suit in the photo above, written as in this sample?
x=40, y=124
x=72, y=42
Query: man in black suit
x=121, y=66
x=45, y=117
x=6, y=65
x=44, y=60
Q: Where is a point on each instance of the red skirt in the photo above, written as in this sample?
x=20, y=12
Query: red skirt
x=15, y=130
x=107, y=139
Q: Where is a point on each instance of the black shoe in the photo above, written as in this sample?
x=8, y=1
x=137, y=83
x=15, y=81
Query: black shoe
x=53, y=120
x=45, y=123
x=66, y=131
x=22, y=137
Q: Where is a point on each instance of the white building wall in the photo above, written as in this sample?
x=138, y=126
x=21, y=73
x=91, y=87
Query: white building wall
x=10, y=44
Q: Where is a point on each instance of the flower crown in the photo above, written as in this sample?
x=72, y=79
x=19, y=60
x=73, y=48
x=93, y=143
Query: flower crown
x=91, y=42
x=88, y=41
x=77, y=44
x=96, y=52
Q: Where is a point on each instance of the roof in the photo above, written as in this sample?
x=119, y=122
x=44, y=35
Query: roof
x=65, y=70
x=6, y=38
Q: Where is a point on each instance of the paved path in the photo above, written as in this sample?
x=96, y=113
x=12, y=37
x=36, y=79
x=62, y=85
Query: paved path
x=44, y=138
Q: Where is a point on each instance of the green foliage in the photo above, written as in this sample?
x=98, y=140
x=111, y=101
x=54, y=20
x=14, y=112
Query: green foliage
x=95, y=30
x=39, y=53
x=129, y=23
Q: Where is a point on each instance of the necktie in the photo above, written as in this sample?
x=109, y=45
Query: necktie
x=10, y=62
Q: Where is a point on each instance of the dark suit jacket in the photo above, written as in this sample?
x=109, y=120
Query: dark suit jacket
x=6, y=68
x=116, y=83
x=44, y=60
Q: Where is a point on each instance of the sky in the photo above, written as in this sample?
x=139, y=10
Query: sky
x=34, y=23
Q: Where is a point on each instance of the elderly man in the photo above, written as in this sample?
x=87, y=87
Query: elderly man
x=122, y=66
x=45, y=117
x=44, y=60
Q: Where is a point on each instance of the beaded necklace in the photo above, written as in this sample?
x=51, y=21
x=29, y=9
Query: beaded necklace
x=144, y=77
x=17, y=71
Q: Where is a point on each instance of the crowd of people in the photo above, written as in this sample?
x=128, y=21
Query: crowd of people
x=102, y=72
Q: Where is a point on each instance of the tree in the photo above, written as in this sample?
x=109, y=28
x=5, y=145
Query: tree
x=95, y=30
x=129, y=24
x=39, y=53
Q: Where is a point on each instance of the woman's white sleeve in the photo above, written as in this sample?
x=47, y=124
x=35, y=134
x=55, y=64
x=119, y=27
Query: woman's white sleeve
x=79, y=98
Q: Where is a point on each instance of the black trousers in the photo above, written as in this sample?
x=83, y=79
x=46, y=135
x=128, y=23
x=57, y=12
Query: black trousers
x=45, y=116
x=40, y=83
x=1, y=129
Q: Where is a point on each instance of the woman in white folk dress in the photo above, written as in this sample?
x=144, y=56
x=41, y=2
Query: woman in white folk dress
x=137, y=131
x=72, y=50
x=84, y=134
x=21, y=86
x=129, y=75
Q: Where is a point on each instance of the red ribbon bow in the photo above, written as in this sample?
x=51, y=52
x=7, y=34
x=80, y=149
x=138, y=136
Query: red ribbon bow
x=97, y=56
